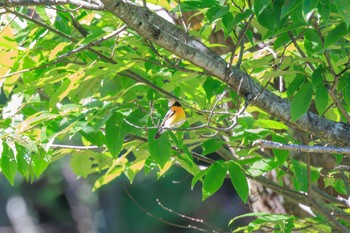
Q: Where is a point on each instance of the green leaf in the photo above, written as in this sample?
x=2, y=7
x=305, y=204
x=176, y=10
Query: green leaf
x=212, y=87
x=8, y=163
x=241, y=16
x=96, y=138
x=334, y=35
x=238, y=180
x=324, y=9
x=300, y=179
x=309, y=5
x=227, y=22
x=343, y=7
x=216, y=12
x=198, y=177
x=134, y=168
x=59, y=48
x=40, y=162
x=260, y=6
x=270, y=124
x=116, y=172
x=24, y=161
x=261, y=166
x=210, y=146
x=312, y=42
x=195, y=5
x=295, y=84
x=280, y=155
x=281, y=40
x=114, y=139
x=317, y=77
x=47, y=14
x=321, y=98
x=301, y=101
x=214, y=179
x=271, y=74
x=159, y=149
x=82, y=163
x=289, y=6
x=300, y=176
x=297, y=16
x=186, y=161
x=346, y=90
x=266, y=20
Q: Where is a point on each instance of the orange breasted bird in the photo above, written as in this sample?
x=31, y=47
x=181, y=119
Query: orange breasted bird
x=174, y=118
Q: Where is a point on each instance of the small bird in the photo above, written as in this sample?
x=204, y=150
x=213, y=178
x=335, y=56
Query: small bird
x=174, y=118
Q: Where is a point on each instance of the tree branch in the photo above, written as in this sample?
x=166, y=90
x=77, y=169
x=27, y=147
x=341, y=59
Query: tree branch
x=301, y=148
x=172, y=38
x=86, y=5
x=147, y=24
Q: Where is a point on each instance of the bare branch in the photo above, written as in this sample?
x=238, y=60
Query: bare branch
x=301, y=148
x=86, y=5
x=73, y=147
x=93, y=43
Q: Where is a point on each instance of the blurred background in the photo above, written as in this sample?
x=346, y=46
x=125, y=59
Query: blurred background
x=60, y=202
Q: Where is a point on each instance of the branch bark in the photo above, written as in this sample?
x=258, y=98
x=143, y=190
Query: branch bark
x=300, y=148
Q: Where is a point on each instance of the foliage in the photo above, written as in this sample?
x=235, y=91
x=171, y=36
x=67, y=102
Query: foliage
x=75, y=85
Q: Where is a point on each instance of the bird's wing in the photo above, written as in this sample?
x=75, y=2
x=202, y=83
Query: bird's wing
x=169, y=114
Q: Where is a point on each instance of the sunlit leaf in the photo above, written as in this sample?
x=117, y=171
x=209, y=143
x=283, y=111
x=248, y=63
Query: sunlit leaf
x=269, y=124
x=8, y=163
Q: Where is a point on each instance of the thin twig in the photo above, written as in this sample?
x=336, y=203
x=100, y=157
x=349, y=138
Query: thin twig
x=54, y=30
x=301, y=52
x=85, y=4
x=301, y=148
x=73, y=147
x=93, y=43
x=189, y=218
x=159, y=218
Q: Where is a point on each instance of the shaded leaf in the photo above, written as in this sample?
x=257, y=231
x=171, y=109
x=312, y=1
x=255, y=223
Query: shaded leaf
x=270, y=124
x=301, y=101
x=114, y=139
x=216, y=12
x=334, y=35
x=260, y=6
x=210, y=146
x=159, y=149
x=343, y=7
x=321, y=98
x=239, y=180
x=309, y=5
x=289, y=6
x=213, y=179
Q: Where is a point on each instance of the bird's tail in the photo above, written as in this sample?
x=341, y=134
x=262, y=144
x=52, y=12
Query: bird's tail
x=160, y=131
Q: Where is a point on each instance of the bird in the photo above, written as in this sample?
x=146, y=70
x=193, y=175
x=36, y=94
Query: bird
x=174, y=118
